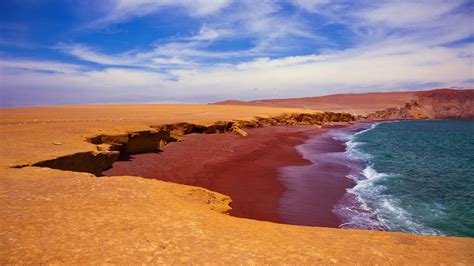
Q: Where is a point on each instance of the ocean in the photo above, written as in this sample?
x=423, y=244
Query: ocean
x=411, y=176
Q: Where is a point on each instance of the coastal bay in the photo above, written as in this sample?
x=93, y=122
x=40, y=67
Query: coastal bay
x=248, y=169
x=140, y=219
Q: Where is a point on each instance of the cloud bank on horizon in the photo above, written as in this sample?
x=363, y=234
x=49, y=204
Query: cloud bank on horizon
x=71, y=52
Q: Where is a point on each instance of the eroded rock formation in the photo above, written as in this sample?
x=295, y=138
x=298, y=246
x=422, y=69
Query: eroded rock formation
x=447, y=104
x=437, y=104
x=411, y=110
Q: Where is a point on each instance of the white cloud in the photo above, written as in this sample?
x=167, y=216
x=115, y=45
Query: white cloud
x=261, y=23
x=117, y=11
x=271, y=29
x=315, y=75
x=365, y=68
x=207, y=33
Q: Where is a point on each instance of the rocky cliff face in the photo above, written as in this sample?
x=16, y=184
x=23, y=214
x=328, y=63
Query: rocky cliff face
x=437, y=104
x=411, y=110
x=448, y=104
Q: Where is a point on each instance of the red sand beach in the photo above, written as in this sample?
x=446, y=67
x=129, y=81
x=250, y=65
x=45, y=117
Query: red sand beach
x=247, y=170
x=313, y=190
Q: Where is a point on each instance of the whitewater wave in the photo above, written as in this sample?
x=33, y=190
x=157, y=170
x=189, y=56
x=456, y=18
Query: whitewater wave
x=352, y=146
x=366, y=205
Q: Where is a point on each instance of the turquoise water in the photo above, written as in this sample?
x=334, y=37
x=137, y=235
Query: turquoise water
x=416, y=177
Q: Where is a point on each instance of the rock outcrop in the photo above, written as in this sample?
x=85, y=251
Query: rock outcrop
x=437, y=104
x=447, y=104
x=411, y=110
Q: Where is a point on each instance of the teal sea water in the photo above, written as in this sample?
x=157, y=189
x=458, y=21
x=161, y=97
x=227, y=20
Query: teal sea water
x=414, y=176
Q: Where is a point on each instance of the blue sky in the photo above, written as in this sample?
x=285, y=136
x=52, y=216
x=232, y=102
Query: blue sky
x=115, y=51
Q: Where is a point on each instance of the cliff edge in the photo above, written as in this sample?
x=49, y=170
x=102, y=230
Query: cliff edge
x=436, y=104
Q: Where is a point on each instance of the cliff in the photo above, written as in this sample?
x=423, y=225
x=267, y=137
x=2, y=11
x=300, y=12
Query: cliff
x=436, y=104
x=443, y=104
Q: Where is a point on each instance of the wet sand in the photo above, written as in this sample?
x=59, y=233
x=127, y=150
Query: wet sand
x=248, y=169
x=313, y=190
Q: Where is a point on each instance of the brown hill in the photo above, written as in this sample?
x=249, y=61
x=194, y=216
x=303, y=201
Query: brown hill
x=440, y=103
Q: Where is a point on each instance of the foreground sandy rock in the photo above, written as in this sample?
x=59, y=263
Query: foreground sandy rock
x=56, y=216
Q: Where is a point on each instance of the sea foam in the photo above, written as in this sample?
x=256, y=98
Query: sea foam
x=366, y=206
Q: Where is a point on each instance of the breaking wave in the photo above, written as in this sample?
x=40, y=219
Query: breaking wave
x=366, y=205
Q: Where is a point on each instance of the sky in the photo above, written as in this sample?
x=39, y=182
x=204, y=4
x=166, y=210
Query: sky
x=199, y=51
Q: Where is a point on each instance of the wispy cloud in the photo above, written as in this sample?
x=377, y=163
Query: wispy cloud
x=87, y=53
x=358, y=69
x=408, y=14
x=315, y=6
x=268, y=31
x=21, y=65
x=119, y=11
x=208, y=33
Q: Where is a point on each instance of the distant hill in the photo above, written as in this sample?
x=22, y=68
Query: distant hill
x=439, y=103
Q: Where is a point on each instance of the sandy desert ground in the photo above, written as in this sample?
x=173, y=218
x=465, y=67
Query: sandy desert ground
x=56, y=216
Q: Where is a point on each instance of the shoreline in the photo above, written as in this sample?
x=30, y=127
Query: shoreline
x=315, y=190
x=249, y=170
